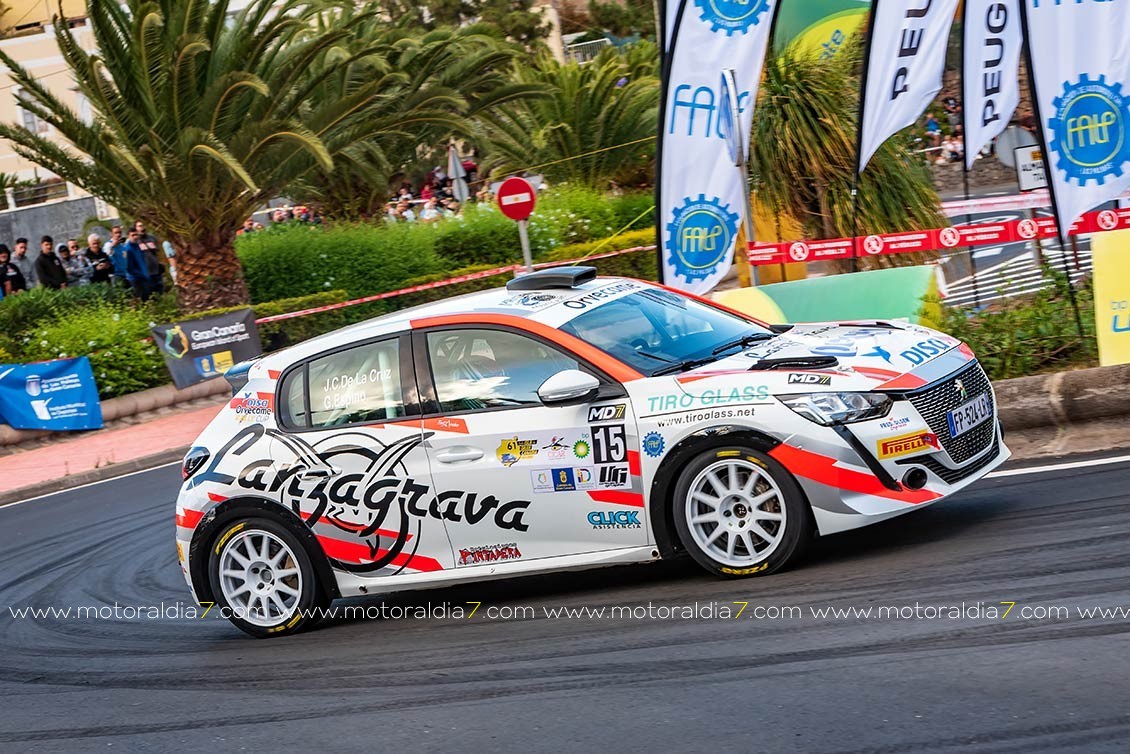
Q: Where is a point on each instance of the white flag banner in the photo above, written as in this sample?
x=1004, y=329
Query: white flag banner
x=670, y=18
x=701, y=192
x=1080, y=58
x=904, y=68
x=991, y=71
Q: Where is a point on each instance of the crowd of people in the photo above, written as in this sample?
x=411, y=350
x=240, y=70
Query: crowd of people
x=130, y=258
x=434, y=200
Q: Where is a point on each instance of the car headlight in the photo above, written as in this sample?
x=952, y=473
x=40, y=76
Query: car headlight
x=838, y=408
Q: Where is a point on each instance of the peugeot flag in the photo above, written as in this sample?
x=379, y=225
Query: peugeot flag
x=701, y=196
x=905, y=60
x=990, y=73
x=1080, y=62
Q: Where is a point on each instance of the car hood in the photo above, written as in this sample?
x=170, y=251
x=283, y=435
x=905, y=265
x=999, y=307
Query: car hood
x=867, y=355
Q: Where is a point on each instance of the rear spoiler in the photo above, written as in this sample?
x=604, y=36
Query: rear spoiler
x=237, y=375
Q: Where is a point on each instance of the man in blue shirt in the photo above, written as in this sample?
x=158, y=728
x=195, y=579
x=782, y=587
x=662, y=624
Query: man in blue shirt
x=117, y=249
x=137, y=271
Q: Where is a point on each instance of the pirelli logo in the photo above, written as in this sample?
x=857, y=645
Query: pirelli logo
x=904, y=445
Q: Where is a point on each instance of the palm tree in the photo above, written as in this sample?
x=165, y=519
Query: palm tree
x=432, y=85
x=803, y=151
x=200, y=116
x=596, y=124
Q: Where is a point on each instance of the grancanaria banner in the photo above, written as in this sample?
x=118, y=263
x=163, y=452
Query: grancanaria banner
x=200, y=349
x=990, y=76
x=701, y=195
x=1080, y=63
x=905, y=60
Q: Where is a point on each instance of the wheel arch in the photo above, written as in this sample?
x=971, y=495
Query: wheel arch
x=236, y=508
x=661, y=511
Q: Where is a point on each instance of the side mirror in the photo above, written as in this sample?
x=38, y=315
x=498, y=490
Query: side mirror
x=568, y=386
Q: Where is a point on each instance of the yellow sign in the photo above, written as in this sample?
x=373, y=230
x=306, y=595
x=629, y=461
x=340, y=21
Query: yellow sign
x=512, y=450
x=1111, y=256
x=904, y=445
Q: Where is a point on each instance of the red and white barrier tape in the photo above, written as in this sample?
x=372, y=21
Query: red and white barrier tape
x=989, y=234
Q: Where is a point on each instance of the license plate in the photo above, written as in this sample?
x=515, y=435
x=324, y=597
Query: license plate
x=969, y=414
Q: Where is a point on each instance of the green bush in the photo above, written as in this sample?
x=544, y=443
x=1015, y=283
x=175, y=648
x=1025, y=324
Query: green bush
x=114, y=336
x=24, y=311
x=482, y=236
x=362, y=259
x=1030, y=334
x=568, y=215
x=634, y=211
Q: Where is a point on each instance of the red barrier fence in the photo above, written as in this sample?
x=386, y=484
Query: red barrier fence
x=1011, y=231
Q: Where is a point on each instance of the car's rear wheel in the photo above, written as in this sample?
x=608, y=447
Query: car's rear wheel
x=263, y=578
x=738, y=512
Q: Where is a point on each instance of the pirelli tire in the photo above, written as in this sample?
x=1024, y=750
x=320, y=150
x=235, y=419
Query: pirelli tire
x=740, y=513
x=263, y=578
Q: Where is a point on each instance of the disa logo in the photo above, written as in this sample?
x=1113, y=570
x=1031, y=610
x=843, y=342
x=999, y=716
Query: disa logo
x=1089, y=130
x=700, y=236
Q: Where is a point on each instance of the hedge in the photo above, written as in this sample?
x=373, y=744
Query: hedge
x=364, y=259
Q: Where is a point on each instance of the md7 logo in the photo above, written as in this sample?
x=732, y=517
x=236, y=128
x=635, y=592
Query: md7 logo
x=810, y=379
x=611, y=413
x=613, y=476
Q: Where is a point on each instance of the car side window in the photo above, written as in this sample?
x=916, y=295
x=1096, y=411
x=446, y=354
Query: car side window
x=354, y=386
x=481, y=369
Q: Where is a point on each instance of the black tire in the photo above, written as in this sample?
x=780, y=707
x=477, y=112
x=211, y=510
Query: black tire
x=753, y=555
x=250, y=532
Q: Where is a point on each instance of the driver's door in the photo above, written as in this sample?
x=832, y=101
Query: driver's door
x=517, y=479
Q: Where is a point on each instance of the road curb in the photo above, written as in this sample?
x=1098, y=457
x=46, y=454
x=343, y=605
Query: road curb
x=109, y=471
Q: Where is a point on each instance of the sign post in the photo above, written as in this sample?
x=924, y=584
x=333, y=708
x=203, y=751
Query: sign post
x=516, y=199
x=1030, y=172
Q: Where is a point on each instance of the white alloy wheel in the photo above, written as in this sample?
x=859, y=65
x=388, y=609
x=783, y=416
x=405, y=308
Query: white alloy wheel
x=260, y=577
x=736, y=513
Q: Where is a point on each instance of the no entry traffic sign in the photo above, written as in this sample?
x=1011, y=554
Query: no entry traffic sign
x=516, y=198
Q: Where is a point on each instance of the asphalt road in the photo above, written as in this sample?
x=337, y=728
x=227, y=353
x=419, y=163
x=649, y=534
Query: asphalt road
x=739, y=684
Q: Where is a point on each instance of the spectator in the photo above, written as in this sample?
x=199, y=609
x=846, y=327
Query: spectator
x=451, y=208
x=149, y=247
x=171, y=255
x=11, y=279
x=429, y=214
x=404, y=212
x=78, y=268
x=137, y=269
x=118, y=256
x=933, y=130
x=48, y=267
x=24, y=263
x=99, y=260
x=248, y=227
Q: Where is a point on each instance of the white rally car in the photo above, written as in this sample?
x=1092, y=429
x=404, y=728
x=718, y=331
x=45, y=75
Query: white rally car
x=564, y=422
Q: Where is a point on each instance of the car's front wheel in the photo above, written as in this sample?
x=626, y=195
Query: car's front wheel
x=263, y=579
x=739, y=512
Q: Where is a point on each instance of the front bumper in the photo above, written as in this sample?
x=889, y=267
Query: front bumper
x=856, y=474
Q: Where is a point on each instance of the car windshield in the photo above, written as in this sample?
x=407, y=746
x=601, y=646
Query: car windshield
x=654, y=330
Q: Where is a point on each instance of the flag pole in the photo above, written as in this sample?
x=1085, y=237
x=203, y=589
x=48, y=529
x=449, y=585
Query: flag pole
x=859, y=136
x=665, y=57
x=967, y=158
x=1043, y=141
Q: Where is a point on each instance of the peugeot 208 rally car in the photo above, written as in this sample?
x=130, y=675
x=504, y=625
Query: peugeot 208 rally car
x=563, y=422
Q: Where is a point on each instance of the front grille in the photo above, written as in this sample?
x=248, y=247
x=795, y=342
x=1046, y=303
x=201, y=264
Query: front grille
x=935, y=401
x=953, y=476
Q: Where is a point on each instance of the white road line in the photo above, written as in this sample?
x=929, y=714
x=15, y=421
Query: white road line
x=1058, y=467
x=88, y=484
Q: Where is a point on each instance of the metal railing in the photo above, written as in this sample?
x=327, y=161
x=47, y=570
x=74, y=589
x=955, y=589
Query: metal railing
x=583, y=52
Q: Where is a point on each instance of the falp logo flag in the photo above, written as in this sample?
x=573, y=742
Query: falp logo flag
x=701, y=195
x=1080, y=61
x=990, y=73
x=905, y=61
